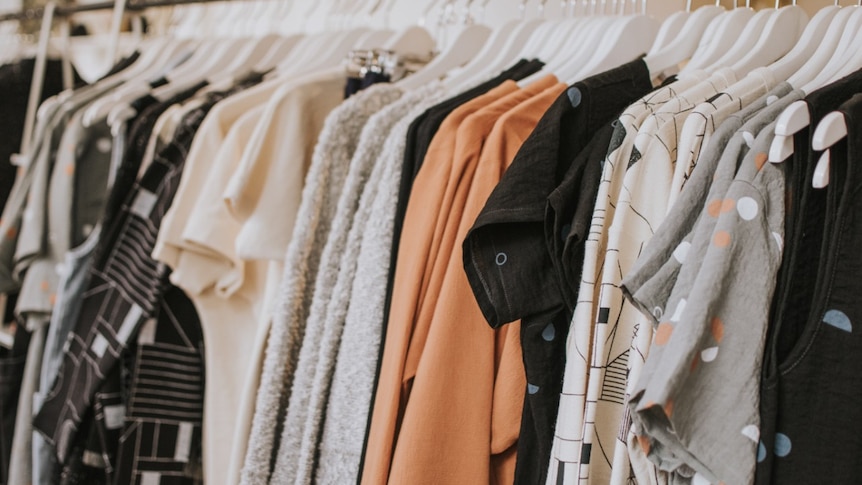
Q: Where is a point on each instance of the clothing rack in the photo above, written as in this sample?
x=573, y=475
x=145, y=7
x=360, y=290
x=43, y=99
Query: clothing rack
x=67, y=11
x=52, y=10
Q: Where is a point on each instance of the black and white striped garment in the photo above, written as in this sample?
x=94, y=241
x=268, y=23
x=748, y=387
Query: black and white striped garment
x=128, y=400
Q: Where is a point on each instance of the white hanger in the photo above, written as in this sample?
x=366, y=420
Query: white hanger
x=332, y=55
x=136, y=87
x=465, y=47
x=843, y=53
x=497, y=47
x=278, y=52
x=828, y=45
x=621, y=44
x=831, y=129
x=670, y=28
x=685, y=44
x=414, y=39
x=779, y=36
x=807, y=45
x=853, y=61
x=533, y=47
x=744, y=42
x=585, y=31
x=793, y=119
x=727, y=28
x=796, y=116
x=565, y=32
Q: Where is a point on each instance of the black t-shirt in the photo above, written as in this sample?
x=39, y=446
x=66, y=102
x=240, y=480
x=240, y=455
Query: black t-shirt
x=524, y=255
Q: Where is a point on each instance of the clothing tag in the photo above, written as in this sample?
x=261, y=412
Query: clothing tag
x=144, y=203
x=184, y=442
x=114, y=416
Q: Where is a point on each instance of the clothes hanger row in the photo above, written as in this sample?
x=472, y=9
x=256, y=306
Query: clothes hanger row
x=837, y=57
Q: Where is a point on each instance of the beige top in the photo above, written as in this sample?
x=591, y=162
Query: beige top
x=230, y=320
x=265, y=191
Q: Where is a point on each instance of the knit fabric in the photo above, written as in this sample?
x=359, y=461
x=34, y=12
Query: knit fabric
x=326, y=177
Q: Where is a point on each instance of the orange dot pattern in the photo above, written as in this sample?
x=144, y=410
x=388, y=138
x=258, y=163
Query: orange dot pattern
x=760, y=160
x=717, y=328
x=663, y=333
x=721, y=239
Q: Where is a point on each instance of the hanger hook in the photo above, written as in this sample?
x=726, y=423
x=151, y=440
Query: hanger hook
x=540, y=9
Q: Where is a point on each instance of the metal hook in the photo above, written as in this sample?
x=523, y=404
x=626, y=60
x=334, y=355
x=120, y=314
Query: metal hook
x=541, y=8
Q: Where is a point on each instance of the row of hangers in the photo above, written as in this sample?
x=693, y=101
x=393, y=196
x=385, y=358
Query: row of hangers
x=268, y=36
x=837, y=56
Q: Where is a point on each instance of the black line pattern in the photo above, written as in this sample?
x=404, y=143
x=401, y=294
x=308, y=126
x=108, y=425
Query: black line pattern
x=135, y=358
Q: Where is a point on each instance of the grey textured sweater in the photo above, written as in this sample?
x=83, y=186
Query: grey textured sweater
x=332, y=154
x=356, y=308
x=295, y=457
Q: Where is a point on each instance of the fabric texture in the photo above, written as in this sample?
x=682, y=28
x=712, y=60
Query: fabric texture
x=224, y=288
x=813, y=338
x=126, y=294
x=296, y=454
x=355, y=369
x=506, y=254
x=565, y=462
x=329, y=166
x=740, y=265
